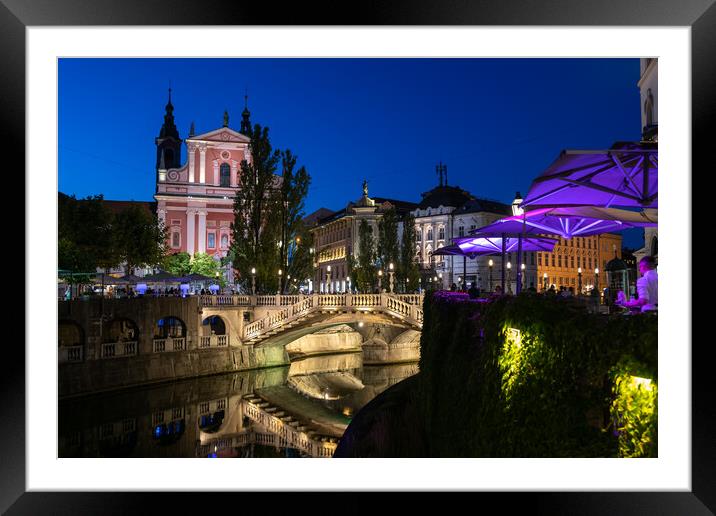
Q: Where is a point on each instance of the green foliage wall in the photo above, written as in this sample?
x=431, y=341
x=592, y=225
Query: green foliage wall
x=563, y=387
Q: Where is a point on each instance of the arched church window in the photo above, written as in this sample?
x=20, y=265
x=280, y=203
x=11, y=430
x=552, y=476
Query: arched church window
x=225, y=175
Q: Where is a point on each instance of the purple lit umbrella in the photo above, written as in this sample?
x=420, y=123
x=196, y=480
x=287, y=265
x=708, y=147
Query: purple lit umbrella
x=484, y=245
x=624, y=176
x=573, y=221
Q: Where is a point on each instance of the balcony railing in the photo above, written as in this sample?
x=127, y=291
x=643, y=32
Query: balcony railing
x=213, y=341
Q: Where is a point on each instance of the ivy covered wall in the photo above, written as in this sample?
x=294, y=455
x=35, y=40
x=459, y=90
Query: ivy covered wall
x=536, y=376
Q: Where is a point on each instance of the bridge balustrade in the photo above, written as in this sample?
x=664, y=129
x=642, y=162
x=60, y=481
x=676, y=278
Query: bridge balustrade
x=169, y=344
x=119, y=349
x=70, y=354
x=213, y=341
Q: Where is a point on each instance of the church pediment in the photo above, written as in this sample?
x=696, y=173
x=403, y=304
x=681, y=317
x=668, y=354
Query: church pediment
x=221, y=135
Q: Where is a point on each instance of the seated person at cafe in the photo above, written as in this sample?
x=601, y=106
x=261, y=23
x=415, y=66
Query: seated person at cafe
x=646, y=287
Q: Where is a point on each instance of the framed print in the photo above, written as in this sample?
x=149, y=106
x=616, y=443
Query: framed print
x=141, y=394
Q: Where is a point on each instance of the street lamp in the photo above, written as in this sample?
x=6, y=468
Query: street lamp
x=380, y=277
x=509, y=277
x=328, y=279
x=253, y=281
x=390, y=272
x=491, y=263
x=516, y=210
x=544, y=279
x=596, y=283
x=579, y=281
x=522, y=267
x=280, y=273
x=348, y=280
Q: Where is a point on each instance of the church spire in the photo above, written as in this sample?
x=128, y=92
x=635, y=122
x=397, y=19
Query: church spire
x=168, y=127
x=245, y=114
x=191, y=129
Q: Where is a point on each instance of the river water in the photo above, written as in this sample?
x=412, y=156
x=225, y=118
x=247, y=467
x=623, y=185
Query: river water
x=296, y=411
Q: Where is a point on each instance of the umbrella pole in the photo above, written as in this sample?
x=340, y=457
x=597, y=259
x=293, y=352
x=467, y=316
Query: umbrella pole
x=502, y=271
x=464, y=273
x=519, y=256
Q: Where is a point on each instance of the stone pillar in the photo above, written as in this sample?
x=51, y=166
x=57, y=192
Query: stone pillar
x=234, y=173
x=201, y=237
x=215, y=176
x=190, y=231
x=192, y=159
x=202, y=164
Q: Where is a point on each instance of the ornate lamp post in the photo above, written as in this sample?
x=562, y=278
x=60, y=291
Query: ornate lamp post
x=380, y=278
x=509, y=277
x=280, y=273
x=522, y=283
x=288, y=283
x=328, y=280
x=253, y=281
x=579, y=281
x=390, y=272
x=490, y=263
x=544, y=280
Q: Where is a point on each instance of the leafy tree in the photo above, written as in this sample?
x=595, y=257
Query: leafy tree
x=202, y=263
x=254, y=237
x=388, y=245
x=289, y=215
x=85, y=235
x=178, y=264
x=300, y=258
x=408, y=272
x=366, y=272
x=139, y=238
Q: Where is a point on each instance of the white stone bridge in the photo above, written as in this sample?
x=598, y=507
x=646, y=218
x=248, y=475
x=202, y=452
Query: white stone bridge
x=301, y=314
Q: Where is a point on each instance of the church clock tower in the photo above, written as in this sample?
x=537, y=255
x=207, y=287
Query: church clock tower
x=168, y=142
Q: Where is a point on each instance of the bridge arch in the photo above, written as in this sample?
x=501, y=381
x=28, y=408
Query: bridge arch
x=214, y=324
x=120, y=329
x=70, y=341
x=170, y=326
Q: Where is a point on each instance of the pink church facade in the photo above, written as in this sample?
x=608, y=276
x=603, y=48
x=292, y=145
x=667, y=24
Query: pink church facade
x=195, y=200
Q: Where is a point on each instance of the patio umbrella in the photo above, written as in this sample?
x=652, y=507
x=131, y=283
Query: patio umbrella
x=623, y=176
x=127, y=279
x=195, y=278
x=161, y=277
x=569, y=222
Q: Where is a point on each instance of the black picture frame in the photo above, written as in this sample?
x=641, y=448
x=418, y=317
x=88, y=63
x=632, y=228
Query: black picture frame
x=700, y=15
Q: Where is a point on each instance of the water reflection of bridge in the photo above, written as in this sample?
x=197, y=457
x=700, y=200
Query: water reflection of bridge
x=254, y=413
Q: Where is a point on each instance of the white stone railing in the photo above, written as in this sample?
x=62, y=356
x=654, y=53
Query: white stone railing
x=388, y=303
x=289, y=300
x=119, y=349
x=213, y=341
x=70, y=354
x=224, y=300
x=169, y=344
x=283, y=434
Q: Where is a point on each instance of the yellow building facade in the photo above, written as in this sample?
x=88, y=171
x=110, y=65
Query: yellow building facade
x=561, y=267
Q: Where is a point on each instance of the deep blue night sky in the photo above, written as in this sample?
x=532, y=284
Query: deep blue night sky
x=496, y=123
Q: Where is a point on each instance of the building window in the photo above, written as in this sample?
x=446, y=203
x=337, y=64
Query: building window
x=441, y=233
x=212, y=240
x=553, y=261
x=176, y=240
x=224, y=241
x=430, y=234
x=559, y=260
x=539, y=259
x=418, y=235
x=461, y=231
x=571, y=261
x=472, y=227
x=225, y=175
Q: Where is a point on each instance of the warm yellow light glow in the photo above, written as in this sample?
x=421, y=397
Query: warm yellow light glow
x=329, y=268
x=390, y=266
x=253, y=270
x=579, y=270
x=544, y=275
x=360, y=324
x=645, y=383
x=509, y=265
x=380, y=273
x=514, y=335
x=280, y=272
x=346, y=411
x=522, y=266
x=596, y=271
x=491, y=263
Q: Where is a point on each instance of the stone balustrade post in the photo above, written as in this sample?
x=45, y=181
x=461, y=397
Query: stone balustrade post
x=253, y=299
x=278, y=299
